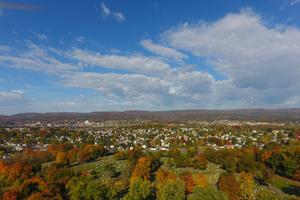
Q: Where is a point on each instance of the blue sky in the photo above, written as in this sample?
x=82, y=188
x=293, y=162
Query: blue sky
x=148, y=55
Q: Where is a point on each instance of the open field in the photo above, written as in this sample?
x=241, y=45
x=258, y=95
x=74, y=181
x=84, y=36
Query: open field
x=286, y=185
x=103, y=165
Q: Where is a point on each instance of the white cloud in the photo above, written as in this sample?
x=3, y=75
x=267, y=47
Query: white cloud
x=294, y=2
x=106, y=12
x=162, y=50
x=36, y=58
x=80, y=39
x=113, y=85
x=175, y=87
x=5, y=48
x=119, y=16
x=11, y=95
x=42, y=37
x=245, y=50
x=133, y=63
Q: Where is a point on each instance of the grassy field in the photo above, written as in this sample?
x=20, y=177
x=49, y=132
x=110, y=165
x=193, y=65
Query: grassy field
x=103, y=165
x=286, y=185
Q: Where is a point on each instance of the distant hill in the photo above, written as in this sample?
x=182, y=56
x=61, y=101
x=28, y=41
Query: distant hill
x=274, y=115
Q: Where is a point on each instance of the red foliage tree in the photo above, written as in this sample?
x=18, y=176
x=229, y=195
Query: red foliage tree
x=228, y=184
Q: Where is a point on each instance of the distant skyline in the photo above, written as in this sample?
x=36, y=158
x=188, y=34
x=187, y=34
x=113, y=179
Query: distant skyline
x=116, y=55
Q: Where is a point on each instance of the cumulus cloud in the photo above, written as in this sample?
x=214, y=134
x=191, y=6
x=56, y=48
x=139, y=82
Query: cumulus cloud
x=244, y=49
x=106, y=12
x=177, y=86
x=162, y=50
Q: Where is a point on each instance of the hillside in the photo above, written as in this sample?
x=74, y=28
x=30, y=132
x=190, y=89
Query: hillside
x=270, y=115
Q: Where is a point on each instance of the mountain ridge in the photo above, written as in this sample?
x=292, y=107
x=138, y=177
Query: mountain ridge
x=257, y=114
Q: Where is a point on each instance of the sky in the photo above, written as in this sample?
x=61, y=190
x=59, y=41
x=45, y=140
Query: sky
x=116, y=55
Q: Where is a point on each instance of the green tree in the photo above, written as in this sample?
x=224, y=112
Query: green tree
x=139, y=189
x=95, y=190
x=171, y=190
x=230, y=164
x=77, y=187
x=246, y=163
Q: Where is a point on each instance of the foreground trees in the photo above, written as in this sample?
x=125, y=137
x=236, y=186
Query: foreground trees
x=171, y=190
x=139, y=189
x=229, y=185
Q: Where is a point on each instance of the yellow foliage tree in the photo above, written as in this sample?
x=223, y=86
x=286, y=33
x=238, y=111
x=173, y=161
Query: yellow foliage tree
x=200, y=180
x=246, y=186
x=61, y=157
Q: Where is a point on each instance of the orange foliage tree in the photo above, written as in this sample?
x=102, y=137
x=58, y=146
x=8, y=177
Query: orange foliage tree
x=200, y=180
x=10, y=195
x=142, y=168
x=61, y=157
x=189, y=182
x=228, y=184
x=161, y=176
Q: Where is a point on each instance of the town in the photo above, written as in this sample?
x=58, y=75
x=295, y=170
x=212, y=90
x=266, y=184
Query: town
x=121, y=135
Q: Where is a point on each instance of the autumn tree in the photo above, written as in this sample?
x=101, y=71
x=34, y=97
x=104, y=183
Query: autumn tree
x=189, y=182
x=228, y=184
x=161, y=176
x=263, y=174
x=61, y=157
x=171, y=190
x=246, y=186
x=139, y=189
x=200, y=162
x=266, y=155
x=120, y=155
x=200, y=180
x=10, y=195
x=142, y=168
x=37, y=196
x=134, y=154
